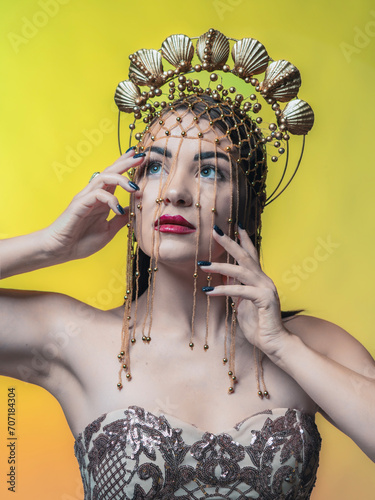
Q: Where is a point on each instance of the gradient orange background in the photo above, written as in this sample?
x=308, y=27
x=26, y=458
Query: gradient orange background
x=59, y=73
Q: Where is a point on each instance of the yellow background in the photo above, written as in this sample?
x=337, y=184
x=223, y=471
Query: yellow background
x=59, y=72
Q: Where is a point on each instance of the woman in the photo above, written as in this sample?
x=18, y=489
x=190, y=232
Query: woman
x=186, y=185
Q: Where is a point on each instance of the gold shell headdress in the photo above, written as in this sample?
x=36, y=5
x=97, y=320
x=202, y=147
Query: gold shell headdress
x=280, y=84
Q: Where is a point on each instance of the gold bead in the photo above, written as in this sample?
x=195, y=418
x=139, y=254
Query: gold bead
x=195, y=275
x=144, y=338
x=205, y=347
x=231, y=390
x=133, y=340
x=128, y=376
x=260, y=394
x=230, y=221
x=124, y=367
x=198, y=205
x=119, y=356
x=156, y=269
x=191, y=345
x=213, y=210
x=119, y=385
x=209, y=278
x=266, y=395
x=200, y=134
x=139, y=206
x=225, y=360
x=122, y=353
x=148, y=339
x=230, y=373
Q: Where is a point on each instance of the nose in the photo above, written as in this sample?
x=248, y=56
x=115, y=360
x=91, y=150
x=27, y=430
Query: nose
x=178, y=192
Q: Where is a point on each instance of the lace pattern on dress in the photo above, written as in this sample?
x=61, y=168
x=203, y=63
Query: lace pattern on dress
x=271, y=455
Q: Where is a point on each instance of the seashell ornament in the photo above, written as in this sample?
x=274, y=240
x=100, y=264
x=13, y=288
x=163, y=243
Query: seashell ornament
x=297, y=117
x=146, y=68
x=281, y=81
x=213, y=50
x=250, y=57
x=127, y=96
x=178, y=51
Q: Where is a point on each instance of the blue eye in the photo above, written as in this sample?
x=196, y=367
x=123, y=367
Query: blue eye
x=154, y=168
x=208, y=172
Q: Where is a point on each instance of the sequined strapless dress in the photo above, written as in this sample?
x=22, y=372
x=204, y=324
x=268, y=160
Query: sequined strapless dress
x=134, y=454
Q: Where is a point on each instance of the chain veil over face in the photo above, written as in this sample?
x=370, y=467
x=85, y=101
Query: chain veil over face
x=228, y=170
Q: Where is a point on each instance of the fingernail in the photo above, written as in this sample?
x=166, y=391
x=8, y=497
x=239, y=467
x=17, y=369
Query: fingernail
x=139, y=155
x=203, y=263
x=127, y=151
x=240, y=225
x=207, y=288
x=218, y=230
x=120, y=209
x=134, y=185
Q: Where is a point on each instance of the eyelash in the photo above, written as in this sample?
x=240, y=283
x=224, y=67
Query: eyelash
x=219, y=173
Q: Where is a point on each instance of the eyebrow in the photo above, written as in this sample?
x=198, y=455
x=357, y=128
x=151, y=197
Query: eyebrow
x=201, y=156
x=210, y=154
x=160, y=151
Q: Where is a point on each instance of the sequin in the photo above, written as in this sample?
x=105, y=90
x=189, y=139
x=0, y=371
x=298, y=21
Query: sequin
x=134, y=454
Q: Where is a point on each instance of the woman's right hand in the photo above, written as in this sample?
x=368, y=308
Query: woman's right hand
x=83, y=229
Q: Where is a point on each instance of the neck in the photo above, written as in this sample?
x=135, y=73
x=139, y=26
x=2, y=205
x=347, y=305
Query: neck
x=170, y=300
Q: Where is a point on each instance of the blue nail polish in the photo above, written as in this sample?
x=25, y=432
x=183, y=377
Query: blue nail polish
x=218, y=230
x=203, y=263
x=120, y=209
x=127, y=151
x=134, y=185
x=240, y=225
x=207, y=288
x=139, y=155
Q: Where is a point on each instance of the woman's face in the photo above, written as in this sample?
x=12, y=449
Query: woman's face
x=194, y=179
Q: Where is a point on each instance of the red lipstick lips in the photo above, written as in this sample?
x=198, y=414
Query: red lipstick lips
x=173, y=224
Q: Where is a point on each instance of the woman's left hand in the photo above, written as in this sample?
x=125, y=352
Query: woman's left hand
x=255, y=296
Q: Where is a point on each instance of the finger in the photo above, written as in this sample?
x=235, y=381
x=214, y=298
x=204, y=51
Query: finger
x=118, y=222
x=98, y=198
x=233, y=248
x=247, y=244
x=240, y=273
x=125, y=162
x=261, y=297
x=111, y=181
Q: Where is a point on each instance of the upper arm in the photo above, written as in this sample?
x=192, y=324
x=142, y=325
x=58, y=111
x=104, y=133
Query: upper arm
x=334, y=342
x=34, y=330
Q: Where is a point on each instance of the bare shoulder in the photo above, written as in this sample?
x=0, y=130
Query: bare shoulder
x=332, y=341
